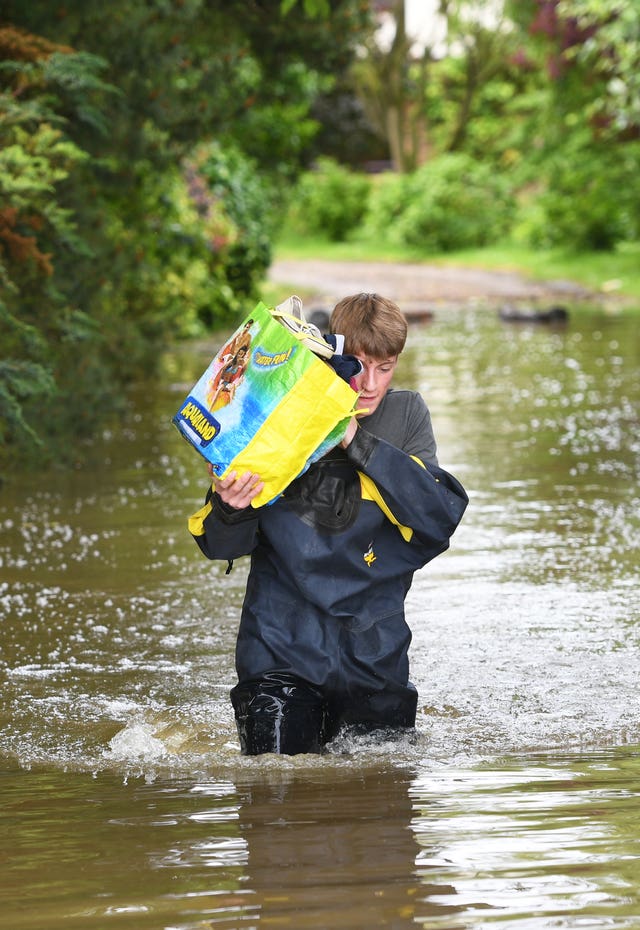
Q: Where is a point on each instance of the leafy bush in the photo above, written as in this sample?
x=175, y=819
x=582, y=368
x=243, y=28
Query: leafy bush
x=40, y=326
x=330, y=201
x=582, y=206
x=165, y=280
x=239, y=202
x=104, y=254
x=390, y=196
x=452, y=202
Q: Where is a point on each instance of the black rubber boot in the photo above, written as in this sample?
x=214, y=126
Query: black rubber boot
x=279, y=713
x=360, y=712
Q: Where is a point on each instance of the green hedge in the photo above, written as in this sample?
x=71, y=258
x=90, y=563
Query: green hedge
x=329, y=201
x=452, y=202
x=591, y=196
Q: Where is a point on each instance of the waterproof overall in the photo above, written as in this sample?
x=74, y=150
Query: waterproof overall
x=323, y=640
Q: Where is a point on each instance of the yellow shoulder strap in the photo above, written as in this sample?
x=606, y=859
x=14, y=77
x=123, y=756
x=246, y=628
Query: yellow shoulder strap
x=196, y=522
x=370, y=492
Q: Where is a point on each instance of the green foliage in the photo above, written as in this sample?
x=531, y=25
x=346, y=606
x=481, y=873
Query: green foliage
x=589, y=54
x=330, y=200
x=312, y=7
x=20, y=380
x=610, y=50
x=37, y=159
x=453, y=202
x=277, y=133
x=105, y=255
x=163, y=280
x=389, y=198
x=581, y=206
x=238, y=194
x=147, y=151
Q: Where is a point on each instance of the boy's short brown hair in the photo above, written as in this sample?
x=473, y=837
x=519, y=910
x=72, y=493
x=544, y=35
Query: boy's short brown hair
x=371, y=325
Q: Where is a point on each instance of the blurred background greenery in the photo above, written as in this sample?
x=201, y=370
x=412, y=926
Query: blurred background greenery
x=153, y=156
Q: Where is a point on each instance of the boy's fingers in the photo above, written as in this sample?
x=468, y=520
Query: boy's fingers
x=239, y=491
x=226, y=482
x=246, y=480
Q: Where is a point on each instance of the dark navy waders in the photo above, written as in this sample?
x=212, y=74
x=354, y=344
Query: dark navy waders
x=323, y=640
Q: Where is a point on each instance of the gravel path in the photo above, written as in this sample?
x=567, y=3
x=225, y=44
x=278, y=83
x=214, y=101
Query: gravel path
x=418, y=288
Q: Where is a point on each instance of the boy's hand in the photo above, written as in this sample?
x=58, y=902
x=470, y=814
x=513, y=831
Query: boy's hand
x=351, y=431
x=236, y=492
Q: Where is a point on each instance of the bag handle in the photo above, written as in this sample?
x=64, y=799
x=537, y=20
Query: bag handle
x=291, y=315
x=292, y=306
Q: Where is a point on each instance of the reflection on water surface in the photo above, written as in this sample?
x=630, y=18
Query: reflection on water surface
x=125, y=802
x=538, y=842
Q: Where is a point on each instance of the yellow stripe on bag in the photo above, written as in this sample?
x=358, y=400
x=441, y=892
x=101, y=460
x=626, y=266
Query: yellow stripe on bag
x=370, y=492
x=298, y=425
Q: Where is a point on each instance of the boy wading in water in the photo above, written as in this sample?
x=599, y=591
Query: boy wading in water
x=323, y=641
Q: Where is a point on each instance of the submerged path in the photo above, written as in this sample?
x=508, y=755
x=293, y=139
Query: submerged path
x=418, y=288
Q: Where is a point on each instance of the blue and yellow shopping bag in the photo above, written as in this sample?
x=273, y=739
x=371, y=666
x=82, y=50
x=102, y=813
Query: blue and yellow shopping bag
x=266, y=404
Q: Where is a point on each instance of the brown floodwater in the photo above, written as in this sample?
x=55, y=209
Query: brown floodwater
x=124, y=801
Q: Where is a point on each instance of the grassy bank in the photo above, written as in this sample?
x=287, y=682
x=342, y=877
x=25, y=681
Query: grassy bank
x=616, y=274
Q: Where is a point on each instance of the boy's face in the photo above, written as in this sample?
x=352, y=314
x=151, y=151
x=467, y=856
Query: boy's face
x=373, y=380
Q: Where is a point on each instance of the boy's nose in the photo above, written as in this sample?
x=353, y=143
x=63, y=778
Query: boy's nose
x=368, y=382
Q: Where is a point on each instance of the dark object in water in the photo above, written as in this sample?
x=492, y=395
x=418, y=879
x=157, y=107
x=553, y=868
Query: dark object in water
x=554, y=314
x=320, y=318
x=418, y=314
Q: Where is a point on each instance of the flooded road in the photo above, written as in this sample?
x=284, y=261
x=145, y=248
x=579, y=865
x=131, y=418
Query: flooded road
x=124, y=800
